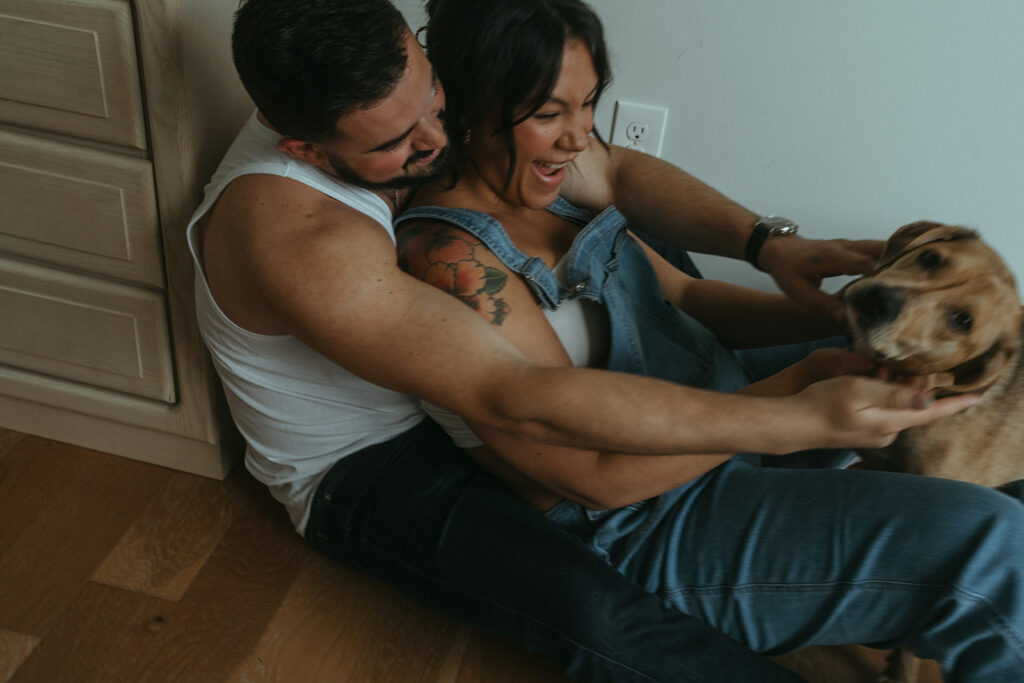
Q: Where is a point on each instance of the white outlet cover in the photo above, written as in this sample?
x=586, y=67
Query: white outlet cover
x=644, y=121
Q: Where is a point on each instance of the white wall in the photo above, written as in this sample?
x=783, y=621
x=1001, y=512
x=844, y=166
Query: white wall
x=850, y=118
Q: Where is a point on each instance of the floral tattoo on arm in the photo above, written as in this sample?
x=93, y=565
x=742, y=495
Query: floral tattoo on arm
x=449, y=262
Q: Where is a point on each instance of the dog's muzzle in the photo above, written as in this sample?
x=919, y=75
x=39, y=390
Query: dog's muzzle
x=876, y=305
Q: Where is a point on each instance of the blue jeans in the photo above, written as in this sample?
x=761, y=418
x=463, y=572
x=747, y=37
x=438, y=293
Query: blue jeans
x=782, y=558
x=419, y=514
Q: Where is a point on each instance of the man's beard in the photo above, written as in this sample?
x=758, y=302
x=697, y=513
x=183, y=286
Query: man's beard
x=438, y=168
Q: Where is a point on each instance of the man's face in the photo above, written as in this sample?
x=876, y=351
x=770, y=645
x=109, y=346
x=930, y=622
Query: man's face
x=418, y=169
x=399, y=141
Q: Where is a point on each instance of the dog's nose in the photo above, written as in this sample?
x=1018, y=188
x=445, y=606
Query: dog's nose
x=876, y=304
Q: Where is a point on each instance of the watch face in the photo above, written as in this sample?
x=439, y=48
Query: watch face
x=777, y=225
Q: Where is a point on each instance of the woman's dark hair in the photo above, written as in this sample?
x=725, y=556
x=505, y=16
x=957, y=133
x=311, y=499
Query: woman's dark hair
x=505, y=56
x=307, y=63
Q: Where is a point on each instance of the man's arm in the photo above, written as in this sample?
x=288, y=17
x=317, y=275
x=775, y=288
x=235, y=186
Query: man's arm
x=460, y=265
x=665, y=202
x=329, y=276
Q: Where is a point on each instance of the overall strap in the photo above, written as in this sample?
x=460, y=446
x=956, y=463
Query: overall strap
x=563, y=209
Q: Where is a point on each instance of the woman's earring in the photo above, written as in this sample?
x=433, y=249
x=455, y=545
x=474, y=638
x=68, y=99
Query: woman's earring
x=419, y=36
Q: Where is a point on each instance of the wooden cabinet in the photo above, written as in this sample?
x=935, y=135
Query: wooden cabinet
x=70, y=66
x=113, y=114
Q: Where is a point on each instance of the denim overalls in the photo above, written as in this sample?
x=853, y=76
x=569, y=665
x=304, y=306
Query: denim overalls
x=780, y=558
x=649, y=335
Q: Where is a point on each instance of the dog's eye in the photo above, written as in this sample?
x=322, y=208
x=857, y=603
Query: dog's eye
x=929, y=259
x=961, y=321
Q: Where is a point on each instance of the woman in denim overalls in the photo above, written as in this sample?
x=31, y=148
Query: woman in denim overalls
x=776, y=557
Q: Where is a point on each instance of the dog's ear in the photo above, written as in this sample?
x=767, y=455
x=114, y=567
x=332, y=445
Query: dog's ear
x=916, y=234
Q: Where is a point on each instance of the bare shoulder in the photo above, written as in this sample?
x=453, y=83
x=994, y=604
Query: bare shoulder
x=455, y=261
x=268, y=238
x=268, y=206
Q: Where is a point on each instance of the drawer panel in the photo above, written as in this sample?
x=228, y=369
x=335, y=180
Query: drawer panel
x=79, y=207
x=70, y=67
x=87, y=330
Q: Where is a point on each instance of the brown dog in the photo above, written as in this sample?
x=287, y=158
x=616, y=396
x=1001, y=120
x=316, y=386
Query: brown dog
x=942, y=304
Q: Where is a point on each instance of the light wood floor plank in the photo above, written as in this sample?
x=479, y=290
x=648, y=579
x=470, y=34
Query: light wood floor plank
x=73, y=507
x=304, y=638
x=14, y=649
x=166, y=547
x=401, y=640
x=100, y=637
x=336, y=625
x=227, y=607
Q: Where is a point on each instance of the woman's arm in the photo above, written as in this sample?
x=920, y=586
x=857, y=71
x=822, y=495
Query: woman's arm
x=741, y=317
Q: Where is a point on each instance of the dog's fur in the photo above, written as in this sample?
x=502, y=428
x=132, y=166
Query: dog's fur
x=942, y=304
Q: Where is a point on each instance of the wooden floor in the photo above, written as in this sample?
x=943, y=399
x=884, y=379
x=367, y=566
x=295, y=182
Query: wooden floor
x=114, y=571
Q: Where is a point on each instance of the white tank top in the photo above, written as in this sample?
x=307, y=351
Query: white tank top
x=299, y=412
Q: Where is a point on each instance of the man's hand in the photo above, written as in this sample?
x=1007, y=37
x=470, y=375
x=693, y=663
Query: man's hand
x=862, y=412
x=799, y=265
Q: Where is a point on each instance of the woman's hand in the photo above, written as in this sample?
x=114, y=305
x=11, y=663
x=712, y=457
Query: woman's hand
x=820, y=364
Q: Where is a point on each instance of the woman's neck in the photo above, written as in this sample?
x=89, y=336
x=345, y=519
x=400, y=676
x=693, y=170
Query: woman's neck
x=472, y=191
x=535, y=232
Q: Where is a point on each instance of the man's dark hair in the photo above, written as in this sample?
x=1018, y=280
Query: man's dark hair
x=506, y=56
x=307, y=63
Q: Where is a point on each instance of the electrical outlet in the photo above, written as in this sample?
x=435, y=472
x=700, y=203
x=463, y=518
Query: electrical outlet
x=639, y=126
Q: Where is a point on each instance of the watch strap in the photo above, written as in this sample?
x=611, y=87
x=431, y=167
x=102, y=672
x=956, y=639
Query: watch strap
x=766, y=226
x=756, y=240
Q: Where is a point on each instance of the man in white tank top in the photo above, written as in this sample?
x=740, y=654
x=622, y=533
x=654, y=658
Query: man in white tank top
x=321, y=341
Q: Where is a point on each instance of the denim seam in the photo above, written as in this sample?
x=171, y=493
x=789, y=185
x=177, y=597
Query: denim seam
x=1003, y=623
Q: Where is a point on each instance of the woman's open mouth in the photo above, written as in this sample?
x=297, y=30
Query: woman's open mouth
x=550, y=174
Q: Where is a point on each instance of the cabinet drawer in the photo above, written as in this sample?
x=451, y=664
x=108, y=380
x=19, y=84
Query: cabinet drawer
x=79, y=207
x=70, y=66
x=83, y=329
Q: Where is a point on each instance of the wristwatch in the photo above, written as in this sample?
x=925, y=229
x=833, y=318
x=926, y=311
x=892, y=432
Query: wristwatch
x=767, y=226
